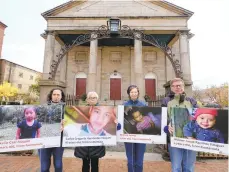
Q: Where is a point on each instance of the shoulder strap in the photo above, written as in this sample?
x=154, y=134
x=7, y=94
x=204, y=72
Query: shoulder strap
x=192, y=101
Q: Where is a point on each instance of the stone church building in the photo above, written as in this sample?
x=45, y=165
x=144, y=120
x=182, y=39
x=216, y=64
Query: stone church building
x=110, y=64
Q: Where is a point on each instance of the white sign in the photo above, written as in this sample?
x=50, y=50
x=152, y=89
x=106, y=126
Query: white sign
x=24, y=127
x=142, y=124
x=201, y=146
x=89, y=126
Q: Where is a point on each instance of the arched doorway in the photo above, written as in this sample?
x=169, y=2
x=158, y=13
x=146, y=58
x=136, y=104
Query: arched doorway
x=80, y=84
x=115, y=86
x=150, y=85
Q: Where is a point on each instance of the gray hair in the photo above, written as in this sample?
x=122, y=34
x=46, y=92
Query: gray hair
x=92, y=93
x=176, y=80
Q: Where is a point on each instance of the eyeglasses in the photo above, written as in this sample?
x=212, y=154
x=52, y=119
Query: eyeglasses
x=92, y=98
x=177, y=86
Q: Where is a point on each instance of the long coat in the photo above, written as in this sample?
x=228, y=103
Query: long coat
x=90, y=151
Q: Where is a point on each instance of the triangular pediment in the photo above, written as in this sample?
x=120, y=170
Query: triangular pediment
x=108, y=8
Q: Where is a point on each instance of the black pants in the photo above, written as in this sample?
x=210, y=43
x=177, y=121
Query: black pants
x=93, y=162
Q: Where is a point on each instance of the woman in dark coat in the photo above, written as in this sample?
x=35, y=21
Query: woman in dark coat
x=90, y=154
x=56, y=96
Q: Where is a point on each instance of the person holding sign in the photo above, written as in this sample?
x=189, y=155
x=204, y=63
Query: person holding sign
x=90, y=155
x=202, y=127
x=134, y=151
x=30, y=127
x=56, y=96
x=182, y=159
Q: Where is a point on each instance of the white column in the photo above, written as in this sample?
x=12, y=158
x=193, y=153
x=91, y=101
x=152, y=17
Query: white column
x=98, y=73
x=138, y=70
x=132, y=67
x=63, y=69
x=49, y=53
x=184, y=56
x=91, y=79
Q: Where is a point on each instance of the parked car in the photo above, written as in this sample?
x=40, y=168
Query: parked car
x=213, y=105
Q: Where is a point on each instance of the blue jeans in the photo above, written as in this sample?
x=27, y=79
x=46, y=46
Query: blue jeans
x=135, y=155
x=182, y=160
x=45, y=158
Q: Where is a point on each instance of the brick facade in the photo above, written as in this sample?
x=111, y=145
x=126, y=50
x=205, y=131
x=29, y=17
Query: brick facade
x=19, y=76
x=2, y=30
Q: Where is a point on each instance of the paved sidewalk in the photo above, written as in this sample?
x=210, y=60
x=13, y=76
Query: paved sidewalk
x=31, y=164
x=118, y=155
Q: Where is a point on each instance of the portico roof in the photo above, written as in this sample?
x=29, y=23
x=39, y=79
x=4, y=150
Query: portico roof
x=2, y=24
x=88, y=10
x=69, y=38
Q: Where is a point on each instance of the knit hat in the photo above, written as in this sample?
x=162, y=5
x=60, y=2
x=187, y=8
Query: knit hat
x=200, y=111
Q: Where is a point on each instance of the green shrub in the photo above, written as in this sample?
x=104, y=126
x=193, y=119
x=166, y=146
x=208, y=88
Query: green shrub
x=84, y=97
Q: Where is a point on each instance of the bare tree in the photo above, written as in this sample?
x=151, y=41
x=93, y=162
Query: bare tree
x=218, y=94
x=198, y=93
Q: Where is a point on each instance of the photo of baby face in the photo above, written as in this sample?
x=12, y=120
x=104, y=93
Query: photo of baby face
x=204, y=124
x=137, y=116
x=206, y=120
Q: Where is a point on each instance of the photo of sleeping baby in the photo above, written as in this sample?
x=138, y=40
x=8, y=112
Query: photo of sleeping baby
x=142, y=120
x=204, y=124
x=90, y=121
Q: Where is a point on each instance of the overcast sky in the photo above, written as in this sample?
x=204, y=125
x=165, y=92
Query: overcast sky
x=208, y=48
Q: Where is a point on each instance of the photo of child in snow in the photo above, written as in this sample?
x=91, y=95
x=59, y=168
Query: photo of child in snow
x=204, y=124
x=29, y=127
x=90, y=121
x=29, y=122
x=142, y=120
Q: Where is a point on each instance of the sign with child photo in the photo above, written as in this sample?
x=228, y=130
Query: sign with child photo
x=200, y=129
x=24, y=127
x=89, y=126
x=142, y=124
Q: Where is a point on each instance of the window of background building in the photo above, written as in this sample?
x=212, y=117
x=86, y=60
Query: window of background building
x=21, y=75
x=31, y=77
x=19, y=86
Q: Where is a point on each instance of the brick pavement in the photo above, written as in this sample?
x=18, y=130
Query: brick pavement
x=31, y=164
